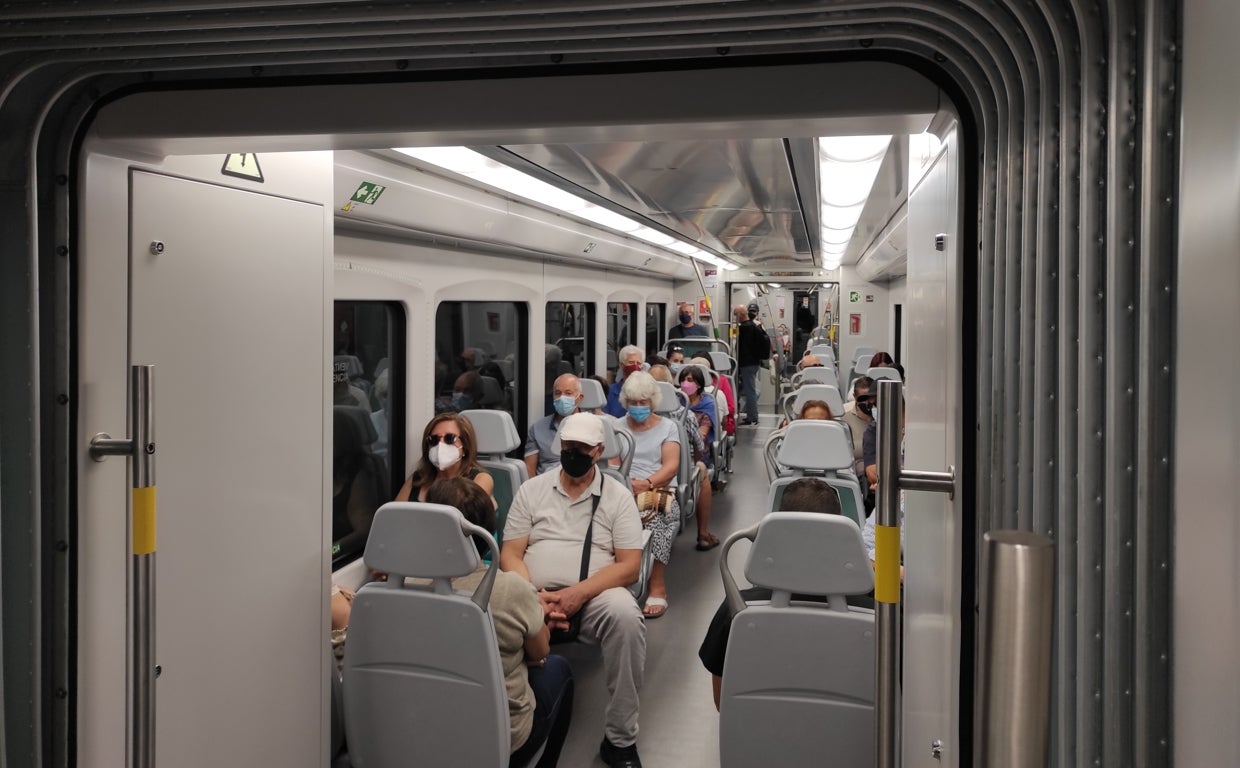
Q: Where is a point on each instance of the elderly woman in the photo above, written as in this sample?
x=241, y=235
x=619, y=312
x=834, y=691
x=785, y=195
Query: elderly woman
x=656, y=460
x=630, y=361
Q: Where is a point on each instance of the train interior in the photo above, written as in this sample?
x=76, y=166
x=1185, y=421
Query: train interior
x=279, y=253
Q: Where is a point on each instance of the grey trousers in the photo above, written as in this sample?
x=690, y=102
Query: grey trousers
x=613, y=620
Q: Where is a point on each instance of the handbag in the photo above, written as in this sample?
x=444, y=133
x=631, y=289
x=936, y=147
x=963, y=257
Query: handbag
x=656, y=501
x=574, y=621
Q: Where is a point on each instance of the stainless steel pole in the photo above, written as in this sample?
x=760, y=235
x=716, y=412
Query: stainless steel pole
x=1013, y=702
x=887, y=575
x=142, y=669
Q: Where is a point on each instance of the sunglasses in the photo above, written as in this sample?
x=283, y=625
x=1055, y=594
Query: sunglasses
x=449, y=439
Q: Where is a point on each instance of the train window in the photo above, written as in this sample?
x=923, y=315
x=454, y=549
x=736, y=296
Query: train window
x=621, y=329
x=368, y=397
x=656, y=327
x=480, y=357
x=570, y=327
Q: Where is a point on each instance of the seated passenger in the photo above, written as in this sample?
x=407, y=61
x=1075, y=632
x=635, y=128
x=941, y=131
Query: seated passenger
x=808, y=494
x=466, y=394
x=726, y=404
x=341, y=605
x=565, y=398
x=676, y=358
x=656, y=461
x=810, y=360
x=546, y=531
x=662, y=373
x=540, y=686
x=702, y=406
x=449, y=449
x=631, y=359
x=815, y=409
x=857, y=417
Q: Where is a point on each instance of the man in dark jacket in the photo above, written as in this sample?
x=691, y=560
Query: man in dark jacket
x=753, y=347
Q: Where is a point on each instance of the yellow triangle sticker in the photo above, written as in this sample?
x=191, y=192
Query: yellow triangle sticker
x=243, y=165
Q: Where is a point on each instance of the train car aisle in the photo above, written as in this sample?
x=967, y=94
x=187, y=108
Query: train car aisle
x=679, y=725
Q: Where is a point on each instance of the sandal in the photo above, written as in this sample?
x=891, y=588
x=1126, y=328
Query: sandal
x=707, y=542
x=655, y=607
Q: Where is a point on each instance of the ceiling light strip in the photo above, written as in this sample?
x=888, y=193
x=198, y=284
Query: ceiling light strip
x=847, y=167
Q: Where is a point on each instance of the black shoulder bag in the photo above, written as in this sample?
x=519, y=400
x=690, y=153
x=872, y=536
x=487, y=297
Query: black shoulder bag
x=574, y=621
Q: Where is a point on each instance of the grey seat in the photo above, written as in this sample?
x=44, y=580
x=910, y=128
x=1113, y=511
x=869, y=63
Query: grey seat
x=592, y=395
x=420, y=657
x=824, y=353
x=884, y=372
x=798, y=678
x=673, y=405
x=821, y=449
x=497, y=435
x=816, y=375
x=795, y=401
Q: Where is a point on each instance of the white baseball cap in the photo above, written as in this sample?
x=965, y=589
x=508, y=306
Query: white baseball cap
x=582, y=428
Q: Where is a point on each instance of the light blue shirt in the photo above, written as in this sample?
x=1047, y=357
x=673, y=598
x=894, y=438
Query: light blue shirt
x=540, y=439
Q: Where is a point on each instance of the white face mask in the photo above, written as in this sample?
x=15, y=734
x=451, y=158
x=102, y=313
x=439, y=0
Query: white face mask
x=444, y=455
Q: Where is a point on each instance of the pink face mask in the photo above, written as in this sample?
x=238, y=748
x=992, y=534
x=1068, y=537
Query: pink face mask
x=689, y=387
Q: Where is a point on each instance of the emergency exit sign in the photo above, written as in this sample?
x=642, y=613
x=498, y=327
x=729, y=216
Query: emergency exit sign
x=367, y=193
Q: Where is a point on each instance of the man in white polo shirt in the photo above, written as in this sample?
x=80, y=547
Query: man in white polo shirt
x=544, y=540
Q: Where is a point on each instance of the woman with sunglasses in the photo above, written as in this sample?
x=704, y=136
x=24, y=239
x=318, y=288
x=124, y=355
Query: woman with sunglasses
x=449, y=449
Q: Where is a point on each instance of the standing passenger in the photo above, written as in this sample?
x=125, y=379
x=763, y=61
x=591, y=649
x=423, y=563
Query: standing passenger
x=545, y=536
x=687, y=327
x=753, y=348
x=449, y=449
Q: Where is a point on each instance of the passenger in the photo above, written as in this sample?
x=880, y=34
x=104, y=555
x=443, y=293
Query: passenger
x=540, y=685
x=870, y=461
x=815, y=409
x=466, y=394
x=449, y=449
x=566, y=397
x=545, y=534
x=676, y=359
x=654, y=360
x=631, y=359
x=753, y=349
x=702, y=405
x=807, y=494
x=687, y=327
x=857, y=417
x=882, y=359
x=341, y=605
x=809, y=360
x=662, y=373
x=727, y=403
x=656, y=461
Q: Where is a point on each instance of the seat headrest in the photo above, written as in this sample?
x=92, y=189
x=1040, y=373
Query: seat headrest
x=495, y=430
x=593, y=396
x=422, y=540
x=352, y=429
x=884, y=372
x=818, y=375
x=819, y=446
x=809, y=553
x=492, y=392
x=349, y=365
x=669, y=398
x=823, y=351
x=721, y=361
x=828, y=393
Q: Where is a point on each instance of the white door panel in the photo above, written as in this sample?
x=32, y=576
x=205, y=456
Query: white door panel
x=932, y=538
x=231, y=314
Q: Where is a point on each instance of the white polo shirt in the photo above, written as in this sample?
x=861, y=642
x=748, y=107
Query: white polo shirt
x=556, y=527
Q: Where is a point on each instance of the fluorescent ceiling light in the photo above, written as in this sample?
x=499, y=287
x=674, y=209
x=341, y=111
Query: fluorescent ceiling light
x=847, y=167
x=480, y=168
x=775, y=285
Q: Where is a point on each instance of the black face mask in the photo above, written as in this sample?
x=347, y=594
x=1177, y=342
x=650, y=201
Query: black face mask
x=865, y=406
x=576, y=463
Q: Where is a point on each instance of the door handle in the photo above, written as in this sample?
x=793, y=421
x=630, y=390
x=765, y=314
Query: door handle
x=140, y=448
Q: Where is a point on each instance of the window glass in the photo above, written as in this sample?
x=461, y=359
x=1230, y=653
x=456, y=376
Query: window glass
x=621, y=329
x=368, y=399
x=656, y=327
x=480, y=357
x=570, y=328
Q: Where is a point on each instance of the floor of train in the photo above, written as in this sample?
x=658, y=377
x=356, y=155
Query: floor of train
x=679, y=725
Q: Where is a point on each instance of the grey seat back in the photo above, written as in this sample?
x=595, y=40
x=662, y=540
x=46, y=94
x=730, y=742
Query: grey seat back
x=497, y=435
x=421, y=657
x=821, y=449
x=815, y=375
x=828, y=393
x=791, y=664
x=884, y=372
x=824, y=353
x=592, y=395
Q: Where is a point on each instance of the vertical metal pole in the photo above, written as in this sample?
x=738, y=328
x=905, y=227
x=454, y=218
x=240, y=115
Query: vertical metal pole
x=1013, y=702
x=142, y=668
x=887, y=575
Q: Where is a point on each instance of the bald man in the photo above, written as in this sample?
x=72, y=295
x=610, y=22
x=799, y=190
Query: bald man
x=565, y=400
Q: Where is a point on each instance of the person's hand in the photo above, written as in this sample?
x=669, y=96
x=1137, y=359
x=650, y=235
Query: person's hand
x=553, y=614
x=639, y=484
x=568, y=600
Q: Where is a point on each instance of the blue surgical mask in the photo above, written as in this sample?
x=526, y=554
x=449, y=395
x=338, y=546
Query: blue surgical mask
x=677, y=367
x=462, y=401
x=639, y=413
x=565, y=405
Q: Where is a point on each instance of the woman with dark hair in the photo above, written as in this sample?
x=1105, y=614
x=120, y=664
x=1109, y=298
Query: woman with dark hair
x=702, y=406
x=449, y=449
x=882, y=359
x=540, y=686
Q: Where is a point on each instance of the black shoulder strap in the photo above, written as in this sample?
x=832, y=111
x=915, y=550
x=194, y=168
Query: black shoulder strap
x=585, y=549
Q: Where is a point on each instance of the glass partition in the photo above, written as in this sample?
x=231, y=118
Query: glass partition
x=480, y=357
x=656, y=327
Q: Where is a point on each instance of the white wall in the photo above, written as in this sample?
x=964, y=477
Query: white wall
x=1206, y=672
x=875, y=316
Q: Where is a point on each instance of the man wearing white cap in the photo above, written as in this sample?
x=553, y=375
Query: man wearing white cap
x=544, y=542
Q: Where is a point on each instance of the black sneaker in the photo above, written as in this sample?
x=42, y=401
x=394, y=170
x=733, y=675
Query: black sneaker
x=619, y=757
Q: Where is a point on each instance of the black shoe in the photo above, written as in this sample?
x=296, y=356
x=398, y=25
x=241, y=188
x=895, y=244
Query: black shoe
x=619, y=757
